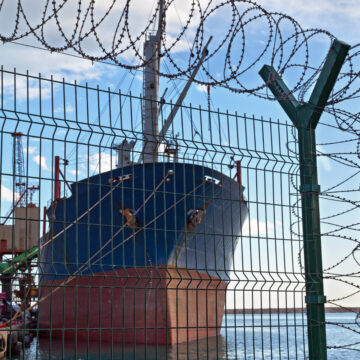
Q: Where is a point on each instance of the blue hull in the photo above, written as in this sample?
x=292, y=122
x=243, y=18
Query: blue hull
x=143, y=215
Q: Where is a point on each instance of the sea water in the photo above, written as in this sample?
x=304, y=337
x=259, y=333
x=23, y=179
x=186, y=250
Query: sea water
x=243, y=336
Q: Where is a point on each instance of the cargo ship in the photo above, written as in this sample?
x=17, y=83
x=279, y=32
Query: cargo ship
x=141, y=253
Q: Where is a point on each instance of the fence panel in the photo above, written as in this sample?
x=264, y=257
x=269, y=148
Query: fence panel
x=197, y=255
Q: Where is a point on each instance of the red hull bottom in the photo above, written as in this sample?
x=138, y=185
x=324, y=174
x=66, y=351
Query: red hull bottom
x=143, y=305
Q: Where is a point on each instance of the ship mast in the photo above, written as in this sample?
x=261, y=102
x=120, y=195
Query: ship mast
x=152, y=49
x=152, y=137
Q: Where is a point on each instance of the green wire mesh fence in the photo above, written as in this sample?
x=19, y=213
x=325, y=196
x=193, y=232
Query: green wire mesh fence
x=194, y=254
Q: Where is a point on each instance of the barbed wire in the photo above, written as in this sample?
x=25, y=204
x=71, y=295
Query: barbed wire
x=89, y=36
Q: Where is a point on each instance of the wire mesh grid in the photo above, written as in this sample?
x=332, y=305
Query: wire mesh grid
x=195, y=255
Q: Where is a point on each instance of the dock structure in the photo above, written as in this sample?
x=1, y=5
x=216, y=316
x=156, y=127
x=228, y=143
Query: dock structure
x=19, y=240
x=23, y=234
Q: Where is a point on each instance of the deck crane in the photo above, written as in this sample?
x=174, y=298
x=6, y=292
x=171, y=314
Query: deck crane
x=19, y=168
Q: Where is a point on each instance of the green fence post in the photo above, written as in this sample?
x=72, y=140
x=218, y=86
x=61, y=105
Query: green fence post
x=305, y=117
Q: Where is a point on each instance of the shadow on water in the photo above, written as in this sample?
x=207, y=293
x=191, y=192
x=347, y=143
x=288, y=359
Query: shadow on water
x=211, y=348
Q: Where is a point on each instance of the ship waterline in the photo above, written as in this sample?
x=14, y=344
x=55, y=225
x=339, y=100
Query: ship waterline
x=156, y=306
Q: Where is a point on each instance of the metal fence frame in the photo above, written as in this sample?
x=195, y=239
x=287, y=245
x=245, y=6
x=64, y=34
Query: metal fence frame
x=269, y=166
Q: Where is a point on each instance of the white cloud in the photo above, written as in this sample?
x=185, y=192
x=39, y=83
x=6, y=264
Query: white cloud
x=74, y=172
x=41, y=160
x=181, y=46
x=308, y=9
x=325, y=163
x=40, y=61
x=8, y=195
x=140, y=12
x=24, y=89
x=139, y=77
x=30, y=149
x=255, y=228
x=323, y=160
x=201, y=88
x=335, y=16
x=60, y=109
x=101, y=161
x=341, y=15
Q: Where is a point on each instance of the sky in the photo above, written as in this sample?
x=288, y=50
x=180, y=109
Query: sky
x=341, y=18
